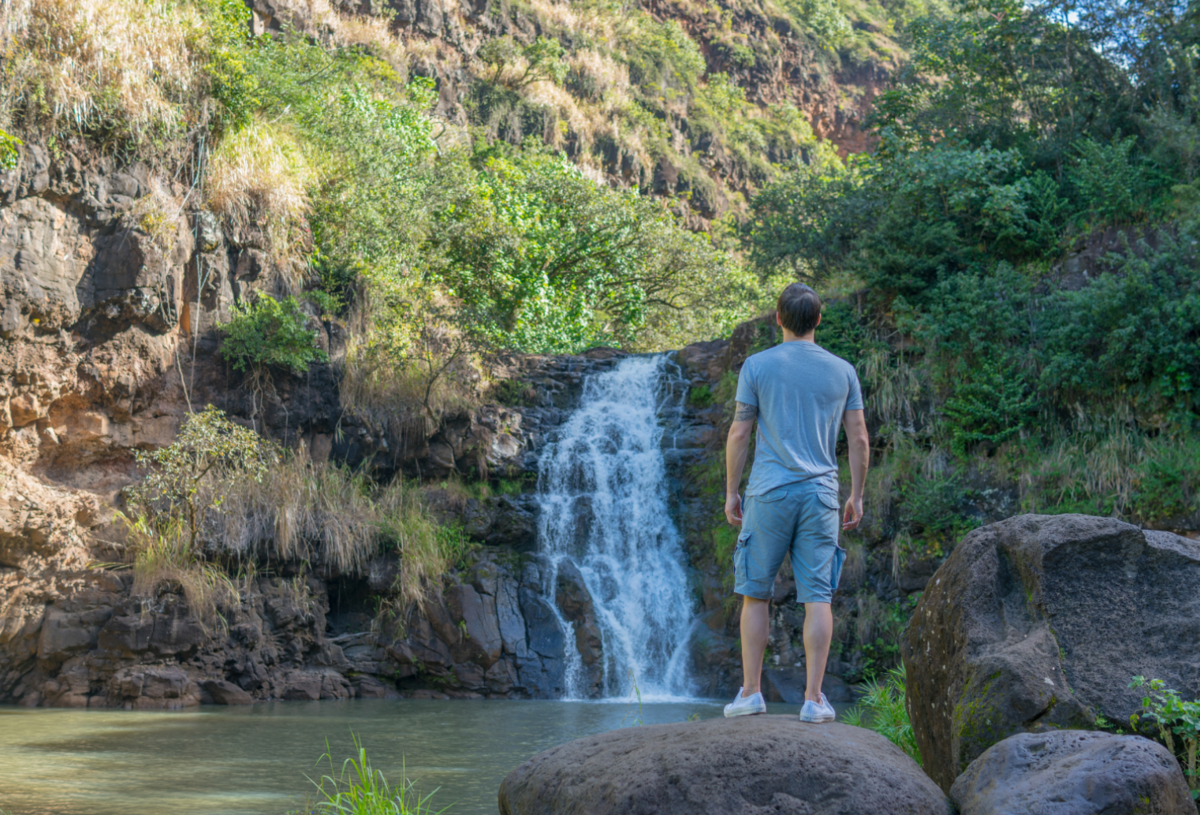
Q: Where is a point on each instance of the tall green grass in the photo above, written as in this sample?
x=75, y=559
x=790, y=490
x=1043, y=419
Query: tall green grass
x=882, y=709
x=359, y=789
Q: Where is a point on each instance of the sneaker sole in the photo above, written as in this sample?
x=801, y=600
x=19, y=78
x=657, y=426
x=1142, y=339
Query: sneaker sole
x=818, y=719
x=747, y=712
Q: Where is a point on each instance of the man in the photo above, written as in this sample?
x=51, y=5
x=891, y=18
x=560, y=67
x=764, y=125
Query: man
x=799, y=392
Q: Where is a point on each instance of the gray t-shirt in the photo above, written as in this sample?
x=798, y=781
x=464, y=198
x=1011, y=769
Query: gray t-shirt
x=801, y=391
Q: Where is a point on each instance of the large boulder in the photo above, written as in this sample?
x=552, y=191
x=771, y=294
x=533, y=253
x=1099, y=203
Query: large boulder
x=1072, y=772
x=1038, y=623
x=754, y=764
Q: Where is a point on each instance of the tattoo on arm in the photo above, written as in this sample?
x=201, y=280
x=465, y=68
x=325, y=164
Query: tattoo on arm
x=744, y=413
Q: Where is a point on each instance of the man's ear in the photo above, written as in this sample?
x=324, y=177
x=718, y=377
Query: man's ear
x=778, y=320
x=818, y=320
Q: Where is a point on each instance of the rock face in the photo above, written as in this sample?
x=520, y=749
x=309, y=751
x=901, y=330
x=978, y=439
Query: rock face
x=94, y=312
x=1072, y=772
x=1039, y=623
x=755, y=764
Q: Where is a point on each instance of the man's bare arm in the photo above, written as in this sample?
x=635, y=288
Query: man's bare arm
x=860, y=457
x=737, y=445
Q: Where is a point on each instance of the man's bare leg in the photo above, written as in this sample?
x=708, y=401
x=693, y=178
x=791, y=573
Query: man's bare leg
x=818, y=634
x=755, y=630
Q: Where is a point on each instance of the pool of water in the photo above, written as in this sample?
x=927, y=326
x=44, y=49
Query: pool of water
x=222, y=761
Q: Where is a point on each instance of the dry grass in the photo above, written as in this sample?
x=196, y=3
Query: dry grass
x=301, y=512
x=319, y=514
x=609, y=77
x=258, y=177
x=894, y=387
x=77, y=62
x=372, y=32
x=164, y=557
x=1096, y=459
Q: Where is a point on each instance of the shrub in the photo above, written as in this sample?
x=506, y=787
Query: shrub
x=169, y=509
x=270, y=333
x=1173, y=722
x=883, y=710
x=191, y=476
x=1110, y=184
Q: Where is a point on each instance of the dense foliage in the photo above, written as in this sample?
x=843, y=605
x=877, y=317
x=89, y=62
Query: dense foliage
x=1024, y=243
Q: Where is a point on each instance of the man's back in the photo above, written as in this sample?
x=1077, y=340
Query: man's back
x=802, y=392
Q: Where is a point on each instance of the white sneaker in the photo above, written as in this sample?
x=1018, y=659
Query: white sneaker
x=817, y=713
x=745, y=705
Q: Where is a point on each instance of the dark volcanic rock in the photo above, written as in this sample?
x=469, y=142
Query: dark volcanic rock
x=227, y=693
x=755, y=764
x=1038, y=623
x=1072, y=772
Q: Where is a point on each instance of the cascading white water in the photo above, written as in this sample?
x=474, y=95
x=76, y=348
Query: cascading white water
x=602, y=485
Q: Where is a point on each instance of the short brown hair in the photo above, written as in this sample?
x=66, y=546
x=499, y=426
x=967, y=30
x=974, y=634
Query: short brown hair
x=799, y=309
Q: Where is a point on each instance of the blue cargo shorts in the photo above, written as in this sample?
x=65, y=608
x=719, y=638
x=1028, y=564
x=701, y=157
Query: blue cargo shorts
x=800, y=518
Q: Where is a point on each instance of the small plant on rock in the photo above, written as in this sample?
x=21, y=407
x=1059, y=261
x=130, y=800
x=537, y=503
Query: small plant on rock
x=1173, y=722
x=270, y=332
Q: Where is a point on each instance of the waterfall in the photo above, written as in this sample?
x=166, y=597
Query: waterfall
x=605, y=518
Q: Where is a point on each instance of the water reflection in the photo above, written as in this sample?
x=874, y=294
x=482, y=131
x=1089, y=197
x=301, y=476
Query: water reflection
x=254, y=760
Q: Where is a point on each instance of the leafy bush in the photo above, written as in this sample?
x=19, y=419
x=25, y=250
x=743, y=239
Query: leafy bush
x=168, y=510
x=270, y=333
x=1173, y=722
x=883, y=710
x=545, y=259
x=184, y=480
x=1110, y=185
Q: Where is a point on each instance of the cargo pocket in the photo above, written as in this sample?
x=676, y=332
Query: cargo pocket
x=739, y=557
x=830, y=500
x=742, y=539
x=839, y=560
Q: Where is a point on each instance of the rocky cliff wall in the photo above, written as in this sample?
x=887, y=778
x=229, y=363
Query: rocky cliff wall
x=106, y=340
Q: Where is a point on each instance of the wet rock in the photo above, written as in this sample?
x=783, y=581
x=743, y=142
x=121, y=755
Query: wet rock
x=575, y=601
x=754, y=764
x=1073, y=772
x=226, y=693
x=153, y=688
x=370, y=687
x=479, y=624
x=1038, y=623
x=514, y=524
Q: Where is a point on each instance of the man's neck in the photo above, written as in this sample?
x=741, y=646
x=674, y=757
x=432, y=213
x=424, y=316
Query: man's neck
x=811, y=336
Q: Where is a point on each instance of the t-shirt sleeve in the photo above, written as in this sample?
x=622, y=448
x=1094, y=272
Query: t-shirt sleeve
x=746, y=391
x=854, y=400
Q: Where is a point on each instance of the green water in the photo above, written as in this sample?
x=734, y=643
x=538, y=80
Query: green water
x=254, y=759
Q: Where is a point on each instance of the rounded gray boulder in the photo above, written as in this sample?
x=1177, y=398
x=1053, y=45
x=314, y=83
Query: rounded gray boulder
x=1038, y=623
x=1073, y=772
x=751, y=765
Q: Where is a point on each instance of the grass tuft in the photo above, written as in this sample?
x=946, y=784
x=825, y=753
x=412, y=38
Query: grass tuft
x=360, y=789
x=258, y=175
x=883, y=710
